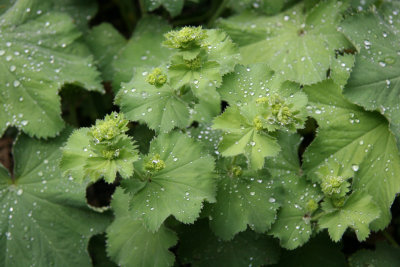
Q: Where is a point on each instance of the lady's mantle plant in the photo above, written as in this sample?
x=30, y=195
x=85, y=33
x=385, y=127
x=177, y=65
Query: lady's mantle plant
x=207, y=151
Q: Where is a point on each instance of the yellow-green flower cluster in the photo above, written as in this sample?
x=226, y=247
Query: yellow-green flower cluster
x=277, y=113
x=154, y=164
x=186, y=38
x=112, y=126
x=156, y=77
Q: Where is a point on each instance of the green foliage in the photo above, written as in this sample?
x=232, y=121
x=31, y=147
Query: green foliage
x=243, y=198
x=44, y=217
x=29, y=87
x=374, y=83
x=131, y=244
x=99, y=151
x=363, y=145
x=383, y=255
x=272, y=140
x=299, y=46
x=174, y=178
x=201, y=248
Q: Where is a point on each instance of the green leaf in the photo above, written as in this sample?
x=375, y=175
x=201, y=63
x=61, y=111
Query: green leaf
x=36, y=60
x=105, y=41
x=293, y=225
x=208, y=137
x=142, y=50
x=287, y=161
x=383, y=255
x=203, y=68
x=357, y=140
x=269, y=7
x=243, y=198
x=358, y=212
x=242, y=138
x=173, y=179
x=161, y=108
x=319, y=251
x=374, y=82
x=202, y=80
x=81, y=11
x=129, y=243
x=199, y=247
x=300, y=46
x=174, y=7
x=341, y=69
x=255, y=95
x=45, y=218
x=87, y=156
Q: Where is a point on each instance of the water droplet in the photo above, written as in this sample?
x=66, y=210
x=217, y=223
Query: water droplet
x=16, y=83
x=355, y=167
x=252, y=193
x=272, y=200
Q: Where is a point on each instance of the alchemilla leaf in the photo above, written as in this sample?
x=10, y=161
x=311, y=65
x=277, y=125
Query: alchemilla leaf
x=46, y=212
x=357, y=141
x=357, y=212
x=299, y=45
x=244, y=197
x=100, y=151
x=373, y=83
x=261, y=103
x=299, y=199
x=29, y=86
x=148, y=97
x=173, y=179
x=202, y=57
x=129, y=243
x=142, y=50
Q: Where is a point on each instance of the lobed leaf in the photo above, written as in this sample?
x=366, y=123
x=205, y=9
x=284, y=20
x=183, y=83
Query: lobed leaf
x=142, y=50
x=177, y=186
x=129, y=243
x=358, y=212
x=44, y=218
x=356, y=140
x=293, y=224
x=246, y=198
x=38, y=58
x=161, y=108
x=374, y=82
x=298, y=45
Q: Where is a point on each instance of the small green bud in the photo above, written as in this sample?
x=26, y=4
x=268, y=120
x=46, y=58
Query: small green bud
x=154, y=164
x=237, y=171
x=110, y=154
x=333, y=185
x=338, y=202
x=258, y=123
x=107, y=129
x=156, y=78
x=194, y=64
x=311, y=206
x=262, y=100
x=186, y=38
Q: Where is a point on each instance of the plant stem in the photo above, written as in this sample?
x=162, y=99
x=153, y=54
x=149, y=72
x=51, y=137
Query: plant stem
x=217, y=13
x=390, y=239
x=317, y=216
